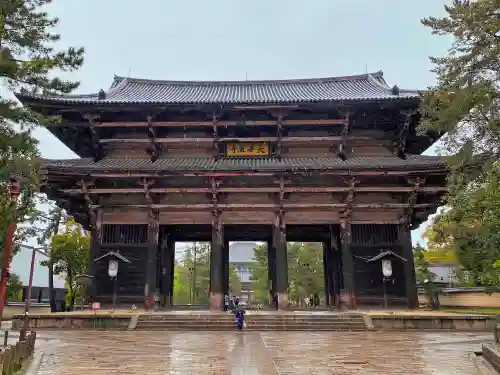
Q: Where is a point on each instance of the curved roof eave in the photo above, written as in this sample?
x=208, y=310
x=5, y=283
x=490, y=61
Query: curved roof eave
x=136, y=91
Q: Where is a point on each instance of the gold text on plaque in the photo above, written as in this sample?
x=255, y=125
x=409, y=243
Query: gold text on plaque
x=247, y=149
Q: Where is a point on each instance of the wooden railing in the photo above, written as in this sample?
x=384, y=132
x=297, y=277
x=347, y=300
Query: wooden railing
x=13, y=357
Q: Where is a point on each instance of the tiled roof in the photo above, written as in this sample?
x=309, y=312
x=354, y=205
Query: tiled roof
x=242, y=252
x=244, y=164
x=142, y=91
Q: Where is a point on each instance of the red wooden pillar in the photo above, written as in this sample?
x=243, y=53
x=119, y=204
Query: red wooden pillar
x=348, y=265
x=15, y=191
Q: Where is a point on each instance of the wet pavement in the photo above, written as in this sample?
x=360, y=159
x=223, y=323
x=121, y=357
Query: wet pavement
x=182, y=353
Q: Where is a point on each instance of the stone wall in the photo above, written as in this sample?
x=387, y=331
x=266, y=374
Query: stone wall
x=465, y=298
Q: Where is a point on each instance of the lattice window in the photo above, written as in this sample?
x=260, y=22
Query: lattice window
x=124, y=234
x=374, y=234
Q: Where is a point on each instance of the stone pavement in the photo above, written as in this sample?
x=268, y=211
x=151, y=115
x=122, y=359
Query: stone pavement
x=251, y=353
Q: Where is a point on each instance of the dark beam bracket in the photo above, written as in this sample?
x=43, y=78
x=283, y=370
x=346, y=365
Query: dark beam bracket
x=349, y=201
x=412, y=199
x=154, y=147
x=279, y=136
x=147, y=184
x=214, y=186
x=93, y=120
x=404, y=133
x=216, y=136
x=341, y=149
x=94, y=218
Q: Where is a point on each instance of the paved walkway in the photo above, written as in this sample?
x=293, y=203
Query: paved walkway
x=201, y=353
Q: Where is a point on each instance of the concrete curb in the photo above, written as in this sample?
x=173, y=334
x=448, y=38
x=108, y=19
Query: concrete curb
x=35, y=363
x=368, y=322
x=133, y=322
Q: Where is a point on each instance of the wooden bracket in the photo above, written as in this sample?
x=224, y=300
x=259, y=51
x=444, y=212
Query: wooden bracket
x=147, y=184
x=94, y=219
x=154, y=148
x=403, y=134
x=279, y=136
x=216, y=136
x=341, y=150
x=349, y=201
x=214, y=189
x=93, y=120
x=413, y=198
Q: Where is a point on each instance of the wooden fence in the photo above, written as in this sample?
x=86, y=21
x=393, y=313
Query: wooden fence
x=13, y=357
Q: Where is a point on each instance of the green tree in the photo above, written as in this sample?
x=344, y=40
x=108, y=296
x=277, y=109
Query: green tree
x=14, y=287
x=258, y=275
x=425, y=277
x=305, y=272
x=29, y=62
x=192, y=276
x=471, y=226
x=69, y=253
x=464, y=105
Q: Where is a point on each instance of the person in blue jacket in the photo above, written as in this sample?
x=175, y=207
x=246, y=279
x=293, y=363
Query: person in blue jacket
x=240, y=319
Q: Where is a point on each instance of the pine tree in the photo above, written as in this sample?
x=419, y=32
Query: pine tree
x=464, y=103
x=29, y=62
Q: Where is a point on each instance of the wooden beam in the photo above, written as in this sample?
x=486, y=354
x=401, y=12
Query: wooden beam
x=221, y=123
x=68, y=172
x=208, y=140
x=258, y=206
x=271, y=189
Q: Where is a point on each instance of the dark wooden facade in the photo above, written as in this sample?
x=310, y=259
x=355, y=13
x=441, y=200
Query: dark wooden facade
x=335, y=160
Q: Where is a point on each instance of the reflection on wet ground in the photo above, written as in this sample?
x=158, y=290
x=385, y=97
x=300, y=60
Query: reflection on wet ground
x=182, y=353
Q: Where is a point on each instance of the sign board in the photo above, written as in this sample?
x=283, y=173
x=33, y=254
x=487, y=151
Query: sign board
x=236, y=149
x=96, y=306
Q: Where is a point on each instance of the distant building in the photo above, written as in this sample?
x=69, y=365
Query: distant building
x=443, y=273
x=21, y=264
x=241, y=255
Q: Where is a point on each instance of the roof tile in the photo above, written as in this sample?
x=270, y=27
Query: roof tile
x=142, y=91
x=244, y=164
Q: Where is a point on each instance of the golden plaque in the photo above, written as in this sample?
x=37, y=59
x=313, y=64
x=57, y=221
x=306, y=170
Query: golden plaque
x=235, y=149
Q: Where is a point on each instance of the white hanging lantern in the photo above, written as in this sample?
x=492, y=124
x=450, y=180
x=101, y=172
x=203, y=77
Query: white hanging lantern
x=113, y=268
x=387, y=267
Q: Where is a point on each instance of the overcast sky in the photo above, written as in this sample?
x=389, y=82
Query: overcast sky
x=258, y=39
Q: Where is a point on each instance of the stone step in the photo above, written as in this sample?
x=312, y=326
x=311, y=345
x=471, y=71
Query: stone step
x=248, y=318
x=255, y=329
x=256, y=325
x=249, y=323
x=263, y=328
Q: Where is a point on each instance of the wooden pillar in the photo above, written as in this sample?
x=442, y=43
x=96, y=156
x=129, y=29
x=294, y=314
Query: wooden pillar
x=168, y=269
x=409, y=265
x=225, y=268
x=216, y=265
x=281, y=261
x=326, y=272
x=95, y=250
x=347, y=265
x=334, y=264
x=95, y=247
x=151, y=266
x=271, y=269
